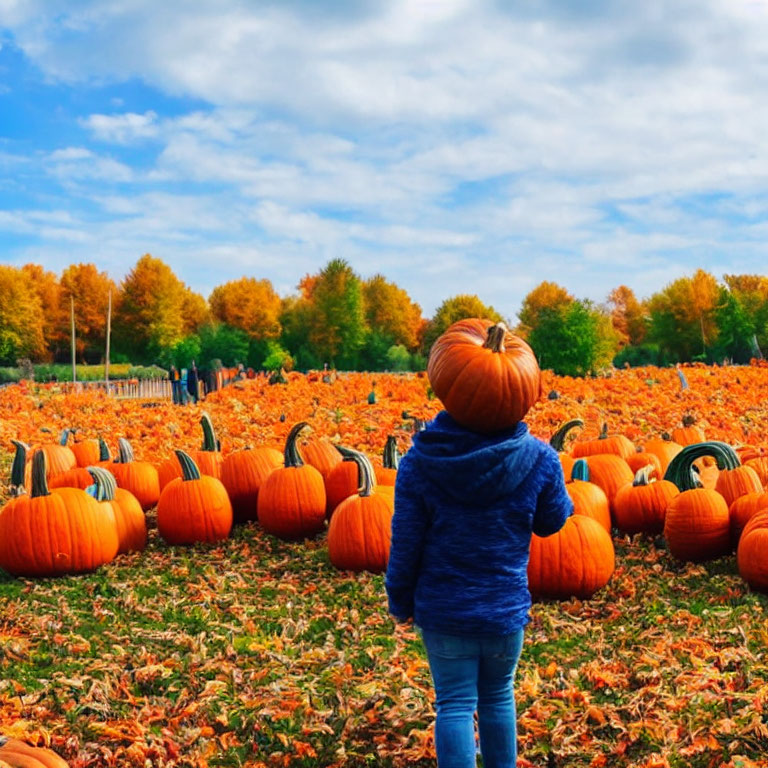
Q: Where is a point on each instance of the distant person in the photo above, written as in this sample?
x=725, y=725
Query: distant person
x=183, y=387
x=204, y=376
x=192, y=383
x=175, y=379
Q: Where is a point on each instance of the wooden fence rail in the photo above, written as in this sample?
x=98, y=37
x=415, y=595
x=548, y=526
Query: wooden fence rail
x=130, y=388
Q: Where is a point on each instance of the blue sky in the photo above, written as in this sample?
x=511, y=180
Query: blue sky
x=455, y=146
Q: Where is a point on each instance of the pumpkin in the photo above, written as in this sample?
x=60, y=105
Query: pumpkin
x=588, y=499
x=734, y=480
x=688, y=434
x=129, y=516
x=342, y=481
x=642, y=506
x=486, y=377
x=361, y=527
x=697, y=523
x=49, y=533
x=208, y=459
x=79, y=477
x=574, y=562
x=87, y=452
x=664, y=449
x=59, y=458
x=320, y=454
x=760, y=465
x=610, y=472
x=138, y=477
x=243, y=473
x=557, y=441
x=605, y=443
x=751, y=554
x=194, y=507
x=291, y=501
x=743, y=509
x=643, y=459
x=19, y=754
x=387, y=473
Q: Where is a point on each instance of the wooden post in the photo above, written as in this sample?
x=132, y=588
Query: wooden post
x=72, y=318
x=109, y=333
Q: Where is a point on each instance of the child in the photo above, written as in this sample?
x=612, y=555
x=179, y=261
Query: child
x=465, y=507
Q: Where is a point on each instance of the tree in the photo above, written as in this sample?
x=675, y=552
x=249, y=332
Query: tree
x=149, y=318
x=571, y=339
x=222, y=342
x=736, y=329
x=195, y=310
x=454, y=309
x=337, y=328
x=21, y=318
x=627, y=315
x=544, y=296
x=390, y=312
x=46, y=285
x=751, y=291
x=90, y=290
x=250, y=305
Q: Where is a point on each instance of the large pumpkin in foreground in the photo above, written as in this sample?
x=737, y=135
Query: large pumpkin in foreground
x=19, y=754
x=574, y=562
x=486, y=377
x=752, y=554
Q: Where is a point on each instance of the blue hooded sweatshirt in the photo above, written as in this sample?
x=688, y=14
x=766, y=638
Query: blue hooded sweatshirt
x=465, y=507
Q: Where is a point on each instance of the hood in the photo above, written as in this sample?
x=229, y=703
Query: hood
x=470, y=466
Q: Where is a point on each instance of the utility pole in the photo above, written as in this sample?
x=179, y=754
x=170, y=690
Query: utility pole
x=72, y=317
x=109, y=332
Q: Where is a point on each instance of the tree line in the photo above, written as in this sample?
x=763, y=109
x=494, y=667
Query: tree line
x=337, y=317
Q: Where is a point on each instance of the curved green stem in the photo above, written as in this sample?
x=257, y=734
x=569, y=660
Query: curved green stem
x=580, y=470
x=106, y=485
x=39, y=471
x=124, y=451
x=391, y=455
x=189, y=470
x=104, y=454
x=603, y=432
x=681, y=471
x=210, y=443
x=291, y=453
x=19, y=464
x=557, y=441
x=64, y=437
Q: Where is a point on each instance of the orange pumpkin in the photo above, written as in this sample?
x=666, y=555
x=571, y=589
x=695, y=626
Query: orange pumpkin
x=138, y=477
x=86, y=451
x=697, y=523
x=588, y=499
x=688, y=434
x=209, y=459
x=642, y=506
x=79, y=477
x=664, y=449
x=58, y=457
x=320, y=454
x=361, y=527
x=616, y=444
x=48, y=533
x=751, y=554
x=291, y=502
x=129, y=516
x=644, y=459
x=574, y=562
x=743, y=509
x=243, y=473
x=486, y=377
x=18, y=754
x=194, y=507
x=610, y=472
x=342, y=481
x=760, y=465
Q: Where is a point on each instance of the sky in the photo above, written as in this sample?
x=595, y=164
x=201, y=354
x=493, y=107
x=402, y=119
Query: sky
x=454, y=146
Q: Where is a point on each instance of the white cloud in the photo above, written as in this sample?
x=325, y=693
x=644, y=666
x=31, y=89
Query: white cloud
x=122, y=128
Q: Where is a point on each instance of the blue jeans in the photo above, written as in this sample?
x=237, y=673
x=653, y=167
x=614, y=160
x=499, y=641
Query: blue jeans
x=474, y=673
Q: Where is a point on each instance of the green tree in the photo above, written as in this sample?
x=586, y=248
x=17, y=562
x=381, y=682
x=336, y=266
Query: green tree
x=398, y=358
x=544, y=296
x=454, y=309
x=736, y=329
x=221, y=342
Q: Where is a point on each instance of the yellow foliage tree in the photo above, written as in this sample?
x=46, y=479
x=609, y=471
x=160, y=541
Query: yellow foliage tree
x=21, y=317
x=545, y=296
x=46, y=285
x=627, y=315
x=390, y=312
x=250, y=305
x=454, y=309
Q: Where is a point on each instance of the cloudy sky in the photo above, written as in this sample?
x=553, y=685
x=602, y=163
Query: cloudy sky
x=453, y=145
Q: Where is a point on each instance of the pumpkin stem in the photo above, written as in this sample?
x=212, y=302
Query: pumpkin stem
x=104, y=454
x=64, y=437
x=681, y=470
x=689, y=420
x=580, y=471
x=291, y=453
x=124, y=451
x=643, y=475
x=366, y=476
x=189, y=470
x=210, y=443
x=347, y=454
x=18, y=467
x=557, y=441
x=603, y=432
x=39, y=479
x=391, y=455
x=106, y=485
x=496, y=335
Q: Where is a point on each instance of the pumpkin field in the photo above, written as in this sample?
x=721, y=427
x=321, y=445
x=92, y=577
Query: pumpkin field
x=252, y=648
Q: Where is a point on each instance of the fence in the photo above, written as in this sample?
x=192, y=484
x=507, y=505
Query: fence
x=128, y=388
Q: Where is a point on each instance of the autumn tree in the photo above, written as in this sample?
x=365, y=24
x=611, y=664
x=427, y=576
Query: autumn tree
x=628, y=316
x=21, y=317
x=89, y=289
x=454, y=309
x=46, y=285
x=149, y=319
x=683, y=316
x=544, y=296
x=248, y=304
x=751, y=293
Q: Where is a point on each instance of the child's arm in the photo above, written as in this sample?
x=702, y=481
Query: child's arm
x=409, y=525
x=554, y=505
